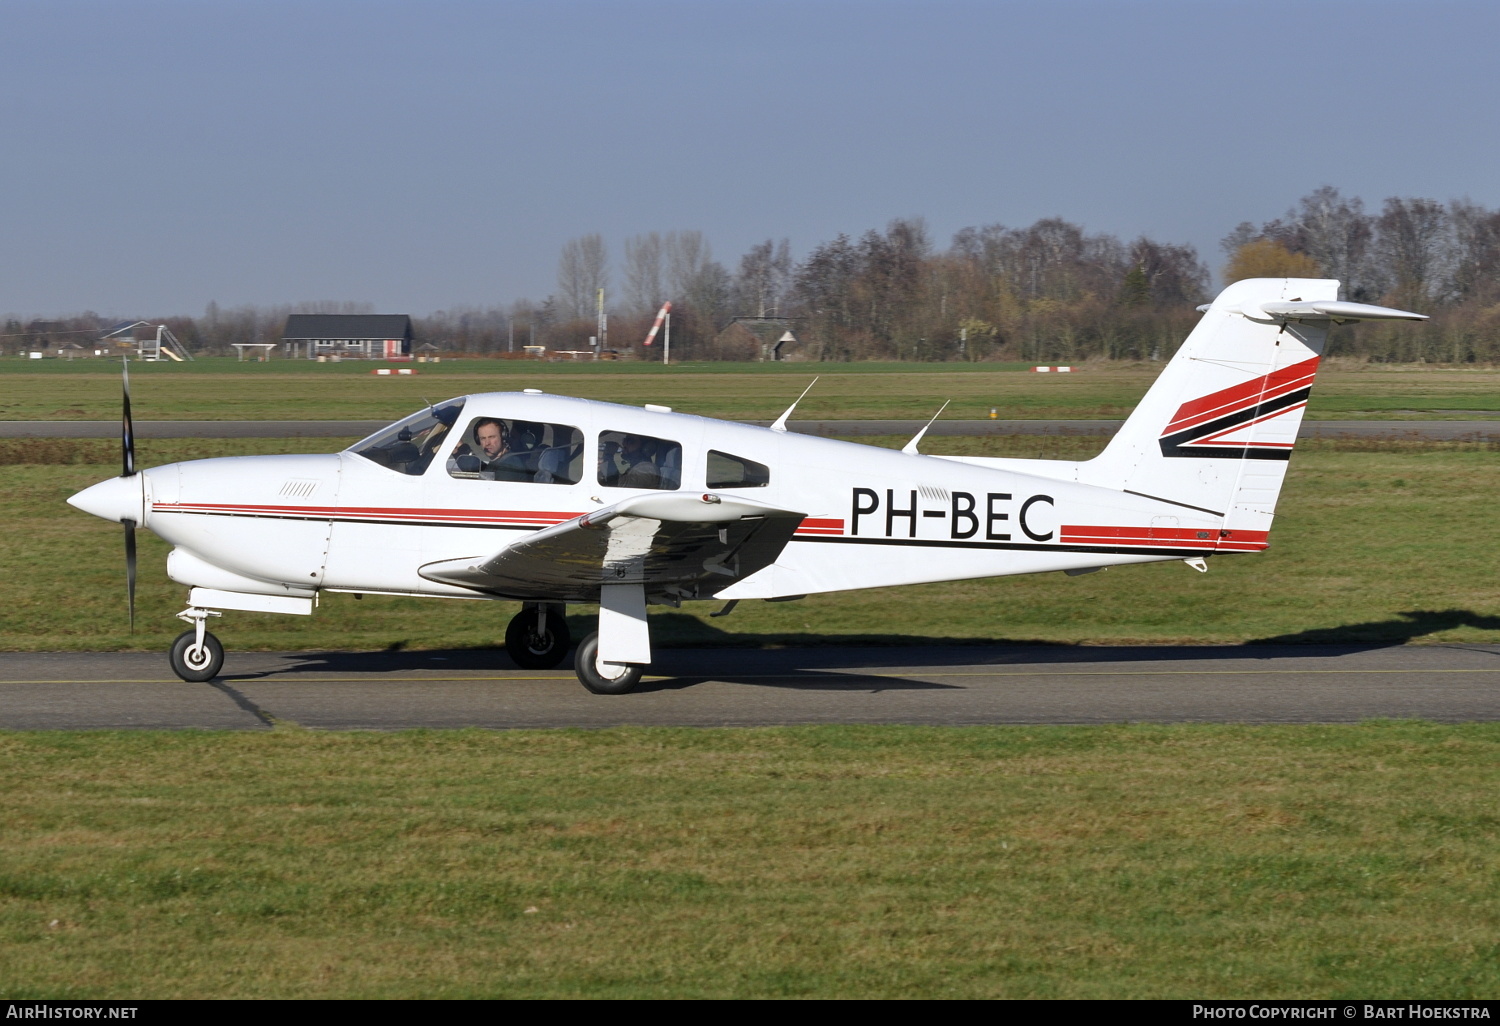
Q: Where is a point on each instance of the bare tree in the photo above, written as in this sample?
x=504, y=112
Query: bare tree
x=582, y=270
x=765, y=275
x=645, y=288
x=1476, y=239
x=1413, y=244
x=1336, y=233
x=687, y=254
x=1170, y=274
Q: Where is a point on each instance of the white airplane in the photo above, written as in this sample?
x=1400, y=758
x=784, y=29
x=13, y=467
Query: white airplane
x=550, y=500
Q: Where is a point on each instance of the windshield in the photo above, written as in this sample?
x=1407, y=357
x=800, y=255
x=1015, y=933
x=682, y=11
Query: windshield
x=407, y=446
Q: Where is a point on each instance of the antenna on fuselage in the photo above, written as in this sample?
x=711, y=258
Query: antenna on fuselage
x=911, y=447
x=780, y=424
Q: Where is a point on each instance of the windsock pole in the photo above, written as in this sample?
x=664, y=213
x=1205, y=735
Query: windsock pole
x=661, y=315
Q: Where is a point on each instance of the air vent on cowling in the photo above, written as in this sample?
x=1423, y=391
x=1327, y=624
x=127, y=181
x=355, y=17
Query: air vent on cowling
x=299, y=487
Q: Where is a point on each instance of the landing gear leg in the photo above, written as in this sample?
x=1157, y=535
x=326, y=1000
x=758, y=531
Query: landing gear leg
x=537, y=638
x=196, y=655
x=610, y=661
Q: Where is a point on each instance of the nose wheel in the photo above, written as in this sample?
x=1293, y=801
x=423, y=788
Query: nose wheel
x=537, y=637
x=196, y=655
x=196, y=659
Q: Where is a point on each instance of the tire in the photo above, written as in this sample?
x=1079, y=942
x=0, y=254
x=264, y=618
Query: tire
x=532, y=651
x=588, y=674
x=194, y=664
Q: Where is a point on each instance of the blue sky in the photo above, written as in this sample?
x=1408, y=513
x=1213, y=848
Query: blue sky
x=419, y=156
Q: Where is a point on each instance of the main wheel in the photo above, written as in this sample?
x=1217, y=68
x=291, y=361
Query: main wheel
x=195, y=663
x=588, y=672
x=531, y=650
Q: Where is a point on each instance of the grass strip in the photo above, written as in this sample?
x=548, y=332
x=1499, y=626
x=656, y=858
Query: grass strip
x=293, y=390
x=1122, y=862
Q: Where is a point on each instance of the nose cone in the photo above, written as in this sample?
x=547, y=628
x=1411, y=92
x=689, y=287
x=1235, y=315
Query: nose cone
x=117, y=499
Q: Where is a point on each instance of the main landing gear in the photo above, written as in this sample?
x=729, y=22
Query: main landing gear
x=537, y=638
x=196, y=655
x=609, y=661
x=603, y=678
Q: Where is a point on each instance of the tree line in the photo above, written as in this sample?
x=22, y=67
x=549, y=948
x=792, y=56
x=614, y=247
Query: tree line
x=1050, y=292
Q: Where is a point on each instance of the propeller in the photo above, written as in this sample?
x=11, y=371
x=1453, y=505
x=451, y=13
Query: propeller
x=130, y=569
x=127, y=430
x=127, y=458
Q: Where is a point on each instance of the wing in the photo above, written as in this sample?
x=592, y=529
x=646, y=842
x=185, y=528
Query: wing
x=680, y=545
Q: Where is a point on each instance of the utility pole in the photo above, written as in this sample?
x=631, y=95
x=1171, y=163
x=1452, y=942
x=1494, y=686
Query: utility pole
x=603, y=329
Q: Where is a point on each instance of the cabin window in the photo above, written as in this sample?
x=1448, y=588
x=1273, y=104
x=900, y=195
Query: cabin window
x=726, y=471
x=496, y=449
x=408, y=446
x=638, y=461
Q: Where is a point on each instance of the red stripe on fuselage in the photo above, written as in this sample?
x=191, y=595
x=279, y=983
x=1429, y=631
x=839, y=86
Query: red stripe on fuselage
x=1188, y=537
x=819, y=525
x=451, y=516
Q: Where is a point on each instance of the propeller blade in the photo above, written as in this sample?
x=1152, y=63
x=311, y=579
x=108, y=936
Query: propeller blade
x=127, y=429
x=130, y=569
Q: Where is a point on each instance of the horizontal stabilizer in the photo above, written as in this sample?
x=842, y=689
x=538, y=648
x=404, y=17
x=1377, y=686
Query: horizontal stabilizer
x=1325, y=310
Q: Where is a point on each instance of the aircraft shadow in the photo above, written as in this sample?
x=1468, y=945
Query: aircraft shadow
x=843, y=663
x=1412, y=624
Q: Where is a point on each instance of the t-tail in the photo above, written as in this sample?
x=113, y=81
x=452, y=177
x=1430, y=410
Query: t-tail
x=1215, y=431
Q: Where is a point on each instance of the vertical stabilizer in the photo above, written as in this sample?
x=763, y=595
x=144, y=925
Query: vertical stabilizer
x=1215, y=431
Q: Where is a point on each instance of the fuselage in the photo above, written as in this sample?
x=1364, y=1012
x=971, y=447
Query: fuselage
x=368, y=519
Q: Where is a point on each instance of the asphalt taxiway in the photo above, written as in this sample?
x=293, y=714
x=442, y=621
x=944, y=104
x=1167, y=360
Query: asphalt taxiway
x=735, y=687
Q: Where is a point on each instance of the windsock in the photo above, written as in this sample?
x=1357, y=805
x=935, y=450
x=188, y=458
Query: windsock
x=661, y=315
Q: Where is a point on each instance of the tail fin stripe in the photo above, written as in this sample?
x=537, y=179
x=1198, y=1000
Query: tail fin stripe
x=1182, y=443
x=1298, y=375
x=1216, y=438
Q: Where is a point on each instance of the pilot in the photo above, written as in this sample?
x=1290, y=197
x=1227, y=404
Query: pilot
x=493, y=441
x=490, y=453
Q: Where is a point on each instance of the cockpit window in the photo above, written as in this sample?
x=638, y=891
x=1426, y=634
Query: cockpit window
x=408, y=446
x=638, y=461
x=495, y=449
x=726, y=471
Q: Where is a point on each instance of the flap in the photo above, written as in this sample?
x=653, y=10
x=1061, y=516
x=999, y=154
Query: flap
x=681, y=545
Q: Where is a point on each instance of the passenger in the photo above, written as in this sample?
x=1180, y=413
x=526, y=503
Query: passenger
x=639, y=471
x=609, y=470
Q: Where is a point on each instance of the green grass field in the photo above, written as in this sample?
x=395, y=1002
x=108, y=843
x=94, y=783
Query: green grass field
x=1137, y=862
x=293, y=390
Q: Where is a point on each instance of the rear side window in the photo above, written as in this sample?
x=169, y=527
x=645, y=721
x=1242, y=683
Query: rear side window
x=638, y=461
x=726, y=471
